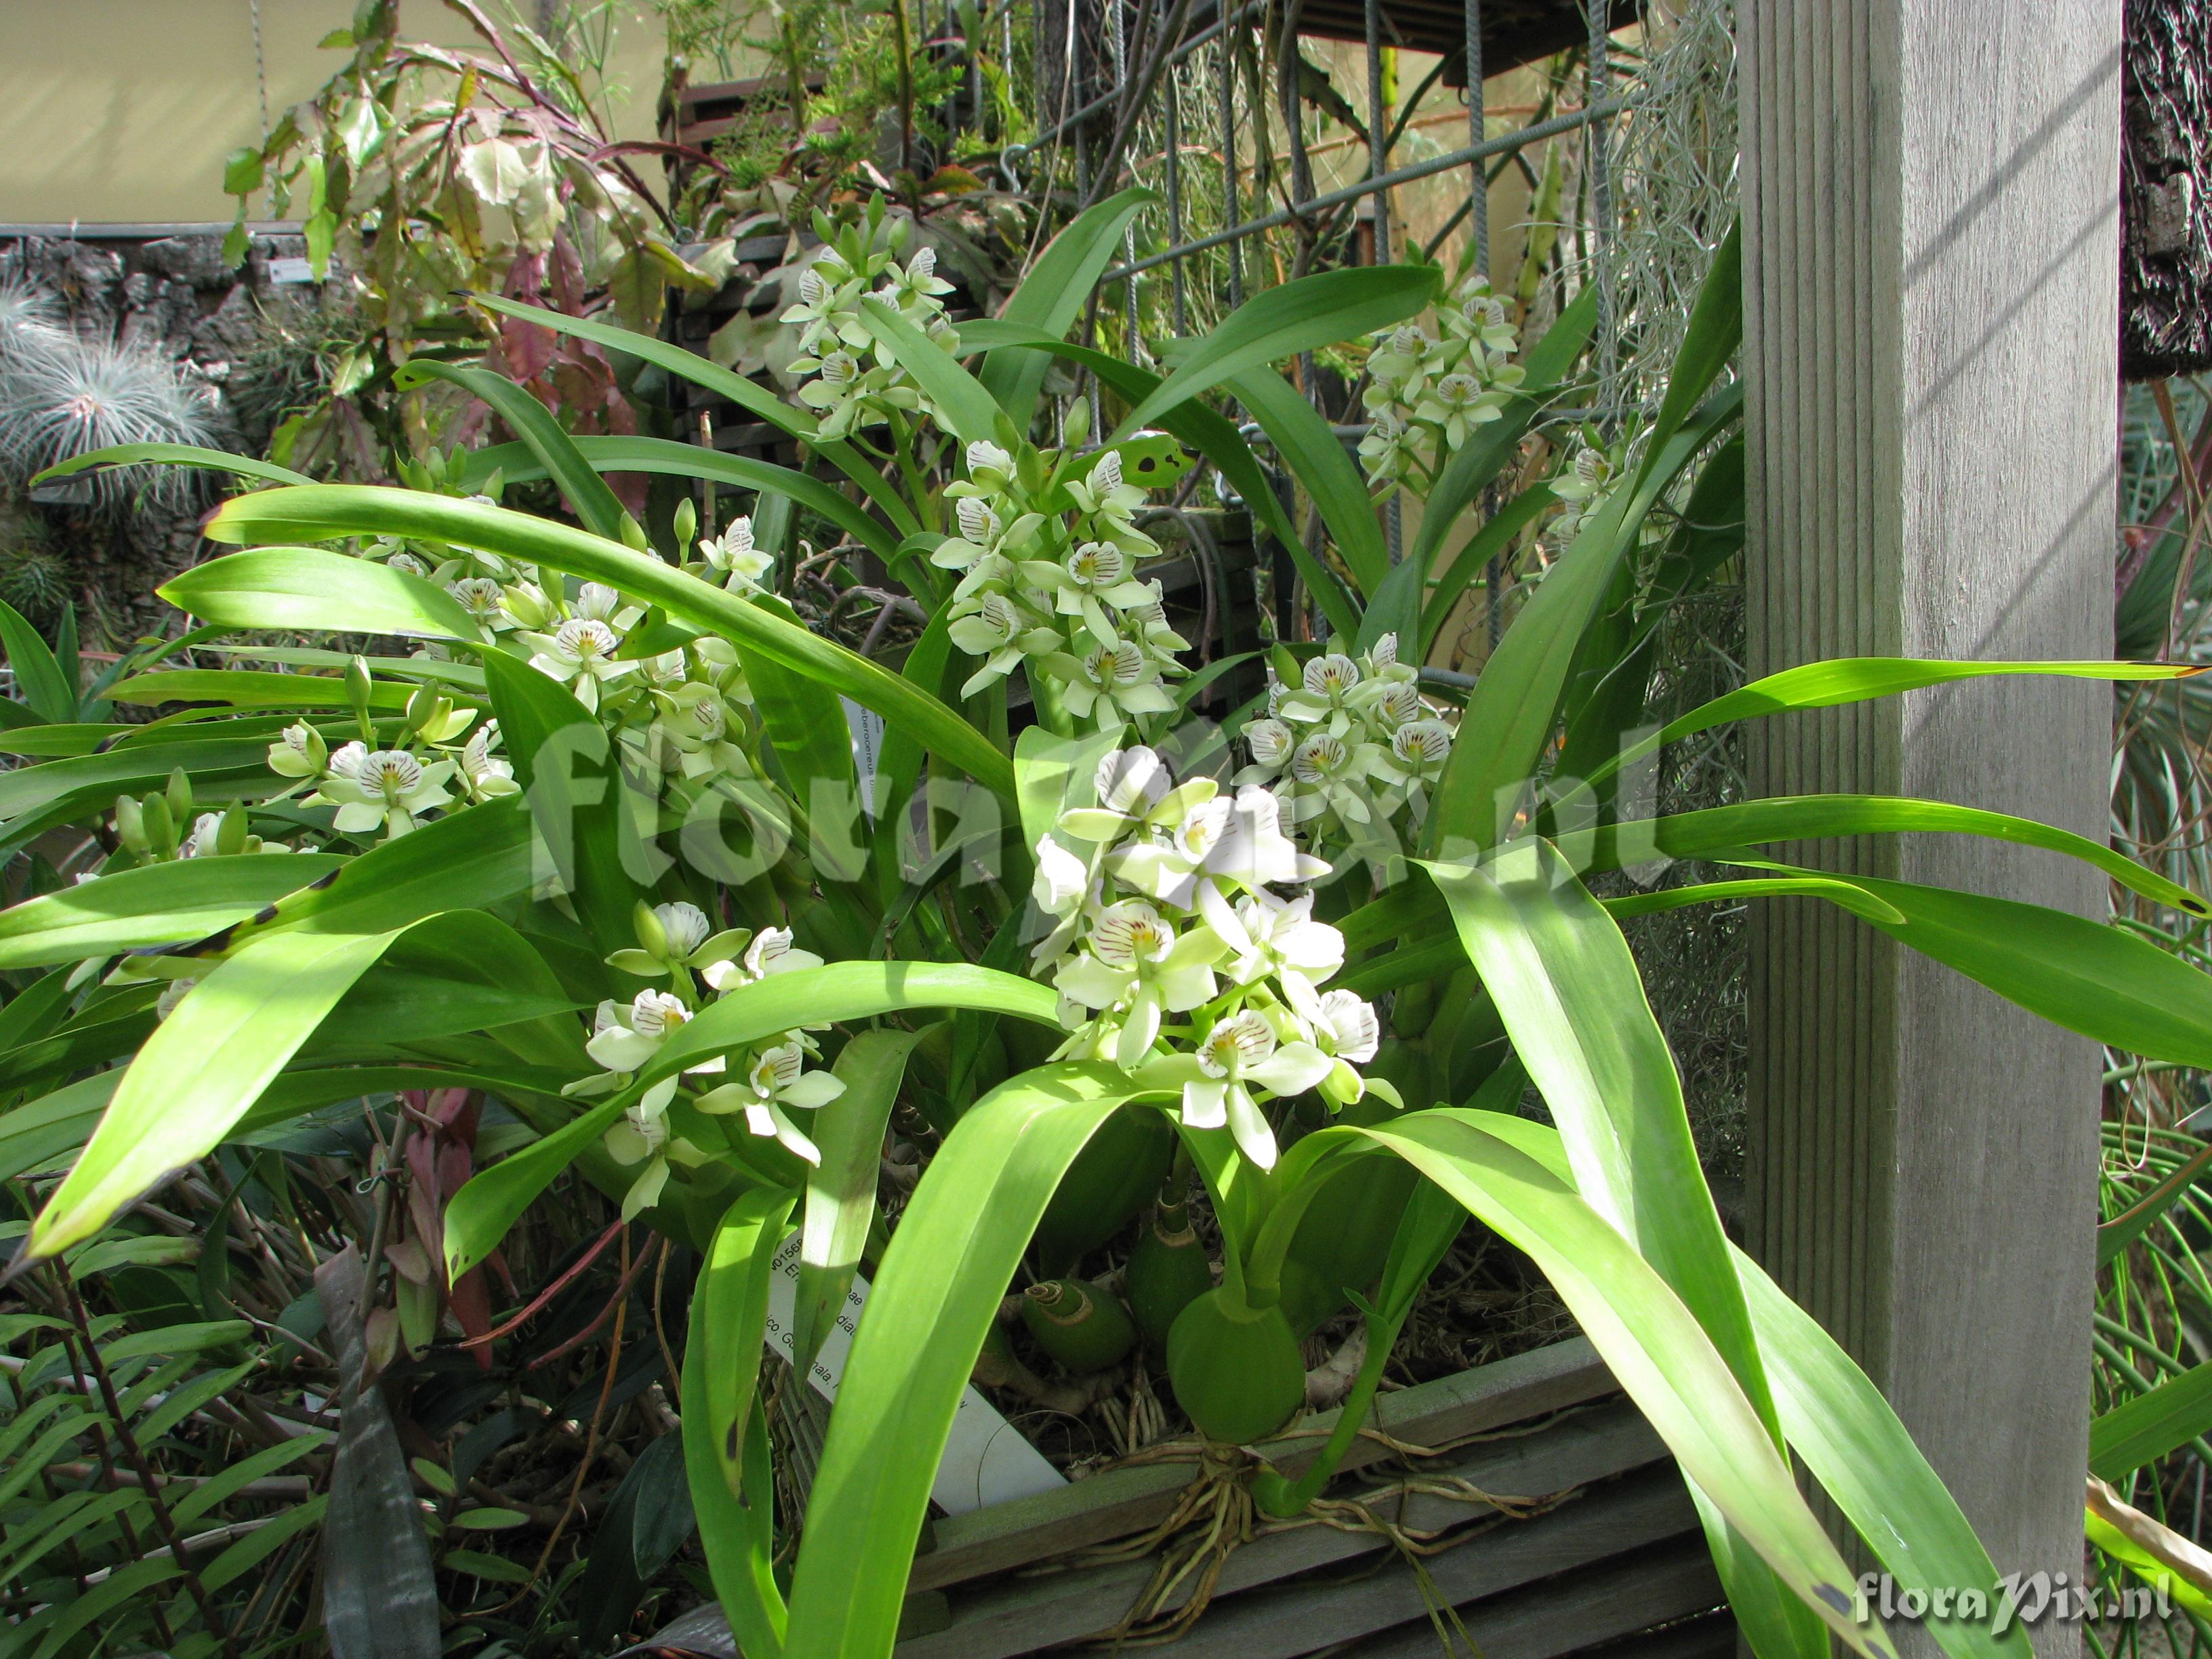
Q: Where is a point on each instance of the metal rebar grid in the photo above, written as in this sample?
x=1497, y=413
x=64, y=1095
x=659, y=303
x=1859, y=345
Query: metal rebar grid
x=1505, y=144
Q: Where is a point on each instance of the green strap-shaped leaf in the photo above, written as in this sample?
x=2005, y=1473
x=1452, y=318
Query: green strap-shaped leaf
x=311, y=589
x=578, y=481
x=483, y=1210
x=1568, y=992
x=1054, y=775
x=813, y=743
x=27, y=792
x=732, y=1314
x=214, y=460
x=2146, y=1428
x=1572, y=1001
x=955, y=1250
x=1843, y=894
x=1713, y=833
x=738, y=1537
x=477, y=857
x=515, y=464
x=154, y=904
x=840, y=1190
x=1708, y=343
x=757, y=400
x=1473, y=560
x=1311, y=312
x=1053, y=294
x=1863, y=680
x=200, y=1070
x=247, y=688
x=325, y=511
x=1656, y=1348
x=929, y=665
x=38, y=675
x=2115, y=1235
x=2101, y=981
x=54, y=1125
x=572, y=776
x=962, y=404
x=1432, y=957
x=1837, y=1420
x=1313, y=454
x=1515, y=704
x=2190, y=1598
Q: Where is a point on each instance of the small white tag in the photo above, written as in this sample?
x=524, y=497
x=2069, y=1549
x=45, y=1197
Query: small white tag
x=867, y=729
x=291, y=270
x=986, y=1459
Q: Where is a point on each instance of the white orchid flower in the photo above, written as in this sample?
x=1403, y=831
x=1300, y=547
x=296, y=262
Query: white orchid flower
x=625, y=1039
x=1416, y=760
x=1385, y=449
x=201, y=843
x=482, y=599
x=733, y=557
x=387, y=787
x=1327, y=696
x=1287, y=946
x=1397, y=366
x=1090, y=579
x=988, y=464
x=1136, y=962
x=1457, y=405
x=774, y=1084
x=1269, y=742
x=1064, y=887
x=838, y=385
x=1148, y=622
x=771, y=952
x=526, y=607
x=1135, y=789
x=643, y=1136
x=1327, y=775
x=915, y=287
x=695, y=723
x=597, y=602
x=1347, y=1030
x=978, y=523
x=298, y=752
x=1238, y=1053
x=998, y=630
x=674, y=936
x=485, y=775
x=581, y=654
x=1202, y=847
x=1111, y=682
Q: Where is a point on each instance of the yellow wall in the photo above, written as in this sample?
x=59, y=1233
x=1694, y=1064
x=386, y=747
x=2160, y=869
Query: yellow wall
x=119, y=111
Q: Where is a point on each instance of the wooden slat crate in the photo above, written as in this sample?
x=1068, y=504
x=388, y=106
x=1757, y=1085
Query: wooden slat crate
x=1621, y=1555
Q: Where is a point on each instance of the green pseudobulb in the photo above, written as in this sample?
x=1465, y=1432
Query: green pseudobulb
x=1237, y=1369
x=1079, y=1324
x=1110, y=1181
x=1167, y=1272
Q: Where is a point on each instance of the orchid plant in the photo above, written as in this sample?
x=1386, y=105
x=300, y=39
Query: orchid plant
x=607, y=810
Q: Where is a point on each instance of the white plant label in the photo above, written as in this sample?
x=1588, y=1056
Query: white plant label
x=867, y=729
x=986, y=1459
x=291, y=270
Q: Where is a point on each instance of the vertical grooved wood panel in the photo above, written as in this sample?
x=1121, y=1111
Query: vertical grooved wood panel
x=1931, y=204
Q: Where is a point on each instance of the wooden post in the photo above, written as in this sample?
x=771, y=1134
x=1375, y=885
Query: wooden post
x=1930, y=198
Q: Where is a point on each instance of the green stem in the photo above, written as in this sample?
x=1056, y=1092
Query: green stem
x=1284, y=1498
